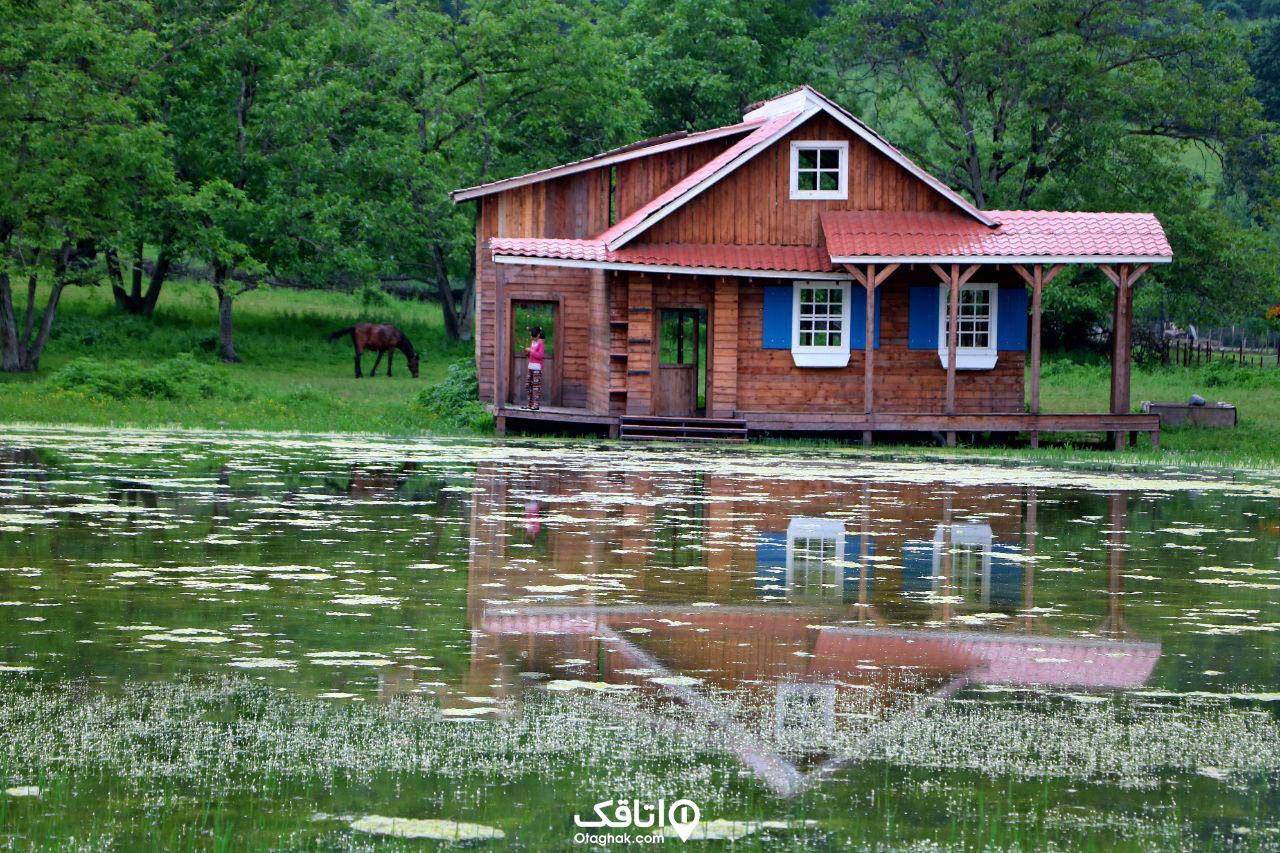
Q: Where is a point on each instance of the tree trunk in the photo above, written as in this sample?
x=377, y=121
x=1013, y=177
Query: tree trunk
x=36, y=348
x=457, y=317
x=133, y=300
x=226, y=338
x=19, y=352
x=10, y=344
x=164, y=261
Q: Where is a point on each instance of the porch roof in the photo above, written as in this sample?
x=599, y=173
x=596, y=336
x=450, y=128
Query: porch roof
x=664, y=257
x=1045, y=236
x=877, y=236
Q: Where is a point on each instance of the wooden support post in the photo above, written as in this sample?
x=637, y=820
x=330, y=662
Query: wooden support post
x=1037, y=278
x=869, y=350
x=1120, y=364
x=953, y=340
x=955, y=279
x=501, y=343
x=870, y=278
x=1124, y=277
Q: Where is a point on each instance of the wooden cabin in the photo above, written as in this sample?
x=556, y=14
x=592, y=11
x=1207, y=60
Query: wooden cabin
x=792, y=272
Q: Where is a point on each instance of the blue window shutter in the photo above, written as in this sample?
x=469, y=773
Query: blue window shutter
x=922, y=318
x=776, y=322
x=1011, y=334
x=917, y=558
x=1006, y=574
x=858, y=318
x=771, y=563
x=852, y=576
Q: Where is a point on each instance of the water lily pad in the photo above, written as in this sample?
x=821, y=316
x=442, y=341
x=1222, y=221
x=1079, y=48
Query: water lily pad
x=575, y=684
x=434, y=828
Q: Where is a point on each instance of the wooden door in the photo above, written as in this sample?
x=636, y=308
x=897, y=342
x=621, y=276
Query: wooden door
x=681, y=364
x=525, y=314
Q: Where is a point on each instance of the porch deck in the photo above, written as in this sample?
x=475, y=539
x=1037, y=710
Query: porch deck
x=851, y=422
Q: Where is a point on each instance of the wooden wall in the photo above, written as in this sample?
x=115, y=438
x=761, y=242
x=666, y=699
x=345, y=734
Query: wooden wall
x=644, y=178
x=753, y=204
x=574, y=289
x=906, y=380
x=574, y=206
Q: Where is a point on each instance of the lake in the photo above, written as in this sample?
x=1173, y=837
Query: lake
x=244, y=640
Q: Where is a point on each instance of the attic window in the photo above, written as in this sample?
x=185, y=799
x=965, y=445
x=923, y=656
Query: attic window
x=819, y=170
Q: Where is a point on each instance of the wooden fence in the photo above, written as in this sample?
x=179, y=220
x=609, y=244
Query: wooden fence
x=1188, y=353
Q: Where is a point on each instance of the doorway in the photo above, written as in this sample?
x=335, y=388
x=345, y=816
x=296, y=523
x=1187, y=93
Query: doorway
x=525, y=314
x=682, y=362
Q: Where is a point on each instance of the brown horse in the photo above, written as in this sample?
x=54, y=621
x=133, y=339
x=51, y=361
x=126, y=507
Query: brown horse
x=381, y=338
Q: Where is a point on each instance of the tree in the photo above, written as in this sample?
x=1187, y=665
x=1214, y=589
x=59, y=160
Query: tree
x=223, y=150
x=378, y=116
x=73, y=141
x=701, y=63
x=1080, y=104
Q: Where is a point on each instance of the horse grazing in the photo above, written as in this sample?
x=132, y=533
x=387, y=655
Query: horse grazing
x=381, y=338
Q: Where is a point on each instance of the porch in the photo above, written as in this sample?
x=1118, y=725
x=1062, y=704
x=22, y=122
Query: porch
x=1125, y=427
x=687, y=345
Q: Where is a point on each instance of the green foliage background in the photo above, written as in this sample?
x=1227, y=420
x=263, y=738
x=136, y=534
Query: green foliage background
x=314, y=142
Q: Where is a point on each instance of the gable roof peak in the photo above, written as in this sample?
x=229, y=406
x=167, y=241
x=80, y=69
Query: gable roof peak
x=798, y=100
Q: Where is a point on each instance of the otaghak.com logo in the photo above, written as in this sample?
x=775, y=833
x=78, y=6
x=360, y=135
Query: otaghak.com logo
x=680, y=817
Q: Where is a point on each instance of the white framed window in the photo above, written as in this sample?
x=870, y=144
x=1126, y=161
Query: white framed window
x=975, y=326
x=970, y=550
x=820, y=169
x=804, y=708
x=815, y=559
x=820, y=323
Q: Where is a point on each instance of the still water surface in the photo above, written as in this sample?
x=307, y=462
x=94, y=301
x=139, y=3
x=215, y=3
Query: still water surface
x=241, y=639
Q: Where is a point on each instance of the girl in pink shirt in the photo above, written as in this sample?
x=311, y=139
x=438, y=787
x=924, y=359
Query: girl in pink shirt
x=536, y=350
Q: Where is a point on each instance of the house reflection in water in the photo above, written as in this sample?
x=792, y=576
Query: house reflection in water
x=789, y=591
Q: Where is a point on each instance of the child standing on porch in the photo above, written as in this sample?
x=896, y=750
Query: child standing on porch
x=533, y=384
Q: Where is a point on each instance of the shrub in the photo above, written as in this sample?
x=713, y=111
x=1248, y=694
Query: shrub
x=373, y=301
x=178, y=378
x=454, y=404
x=1224, y=374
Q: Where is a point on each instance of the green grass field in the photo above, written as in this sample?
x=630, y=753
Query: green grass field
x=291, y=376
x=103, y=367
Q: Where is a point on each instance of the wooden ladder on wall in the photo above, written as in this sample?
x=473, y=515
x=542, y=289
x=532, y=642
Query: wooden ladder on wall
x=636, y=428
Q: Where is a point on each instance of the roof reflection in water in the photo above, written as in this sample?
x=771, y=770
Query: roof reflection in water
x=789, y=596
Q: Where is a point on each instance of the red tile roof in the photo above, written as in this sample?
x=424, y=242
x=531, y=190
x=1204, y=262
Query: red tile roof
x=713, y=256
x=631, y=151
x=1021, y=234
